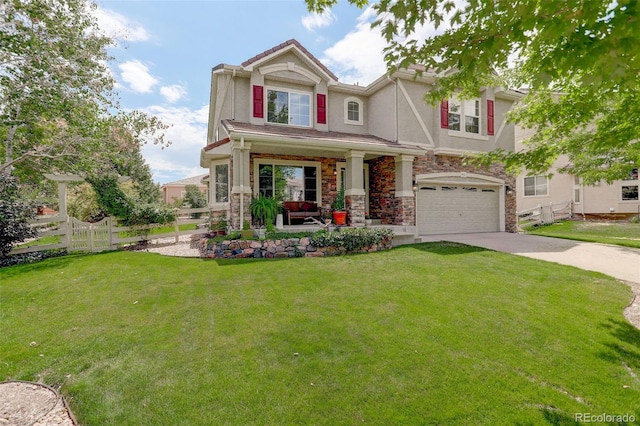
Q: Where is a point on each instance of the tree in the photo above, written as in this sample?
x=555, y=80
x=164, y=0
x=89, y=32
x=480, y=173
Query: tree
x=15, y=214
x=577, y=59
x=58, y=109
x=194, y=197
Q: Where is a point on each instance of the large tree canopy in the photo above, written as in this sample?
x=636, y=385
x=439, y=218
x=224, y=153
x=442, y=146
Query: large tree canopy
x=58, y=110
x=579, y=61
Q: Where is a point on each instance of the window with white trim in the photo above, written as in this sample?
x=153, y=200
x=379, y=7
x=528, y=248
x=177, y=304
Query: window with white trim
x=536, y=186
x=220, y=182
x=630, y=187
x=288, y=181
x=288, y=107
x=353, y=111
x=464, y=116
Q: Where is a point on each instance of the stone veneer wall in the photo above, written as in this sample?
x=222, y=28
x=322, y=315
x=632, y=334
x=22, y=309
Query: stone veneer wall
x=382, y=189
x=293, y=247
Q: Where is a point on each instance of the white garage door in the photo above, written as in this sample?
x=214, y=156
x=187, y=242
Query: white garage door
x=457, y=209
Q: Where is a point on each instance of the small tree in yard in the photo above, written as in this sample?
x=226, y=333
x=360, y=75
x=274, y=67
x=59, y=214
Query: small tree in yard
x=195, y=198
x=15, y=214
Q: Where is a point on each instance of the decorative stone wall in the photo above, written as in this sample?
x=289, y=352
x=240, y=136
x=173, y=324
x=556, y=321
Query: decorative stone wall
x=382, y=188
x=234, y=205
x=355, y=205
x=270, y=249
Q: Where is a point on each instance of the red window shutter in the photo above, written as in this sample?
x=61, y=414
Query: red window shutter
x=258, y=101
x=490, y=121
x=444, y=114
x=321, y=101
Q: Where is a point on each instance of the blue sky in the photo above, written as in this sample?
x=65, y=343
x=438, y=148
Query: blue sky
x=166, y=49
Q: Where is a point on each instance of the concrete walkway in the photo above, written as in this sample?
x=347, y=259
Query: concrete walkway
x=619, y=262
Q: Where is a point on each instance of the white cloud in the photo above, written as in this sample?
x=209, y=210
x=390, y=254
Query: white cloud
x=119, y=27
x=318, y=20
x=137, y=75
x=188, y=134
x=358, y=58
x=173, y=93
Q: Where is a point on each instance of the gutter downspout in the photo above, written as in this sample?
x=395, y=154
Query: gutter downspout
x=241, y=167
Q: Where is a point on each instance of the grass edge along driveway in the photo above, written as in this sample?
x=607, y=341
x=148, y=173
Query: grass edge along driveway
x=424, y=334
x=615, y=233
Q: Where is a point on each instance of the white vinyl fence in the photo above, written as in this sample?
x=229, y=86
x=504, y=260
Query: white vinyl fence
x=75, y=235
x=545, y=214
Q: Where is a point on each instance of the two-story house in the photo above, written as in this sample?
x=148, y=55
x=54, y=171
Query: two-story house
x=282, y=124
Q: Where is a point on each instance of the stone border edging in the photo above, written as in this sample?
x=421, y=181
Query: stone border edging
x=270, y=249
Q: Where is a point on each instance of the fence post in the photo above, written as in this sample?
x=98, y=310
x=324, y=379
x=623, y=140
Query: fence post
x=176, y=227
x=113, y=235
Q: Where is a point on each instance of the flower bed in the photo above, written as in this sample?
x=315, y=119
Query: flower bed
x=356, y=240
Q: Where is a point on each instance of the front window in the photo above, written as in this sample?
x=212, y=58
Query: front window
x=288, y=107
x=535, y=186
x=221, y=183
x=288, y=182
x=469, y=110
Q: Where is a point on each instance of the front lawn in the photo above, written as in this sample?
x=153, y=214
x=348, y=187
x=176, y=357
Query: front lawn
x=622, y=234
x=423, y=334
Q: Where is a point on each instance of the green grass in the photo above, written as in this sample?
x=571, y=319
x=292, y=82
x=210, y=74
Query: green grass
x=167, y=229
x=422, y=334
x=43, y=241
x=622, y=234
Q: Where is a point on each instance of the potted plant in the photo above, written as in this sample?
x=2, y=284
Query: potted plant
x=264, y=209
x=339, y=212
x=219, y=225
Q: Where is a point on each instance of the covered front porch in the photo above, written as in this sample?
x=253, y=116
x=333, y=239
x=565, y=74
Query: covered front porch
x=311, y=166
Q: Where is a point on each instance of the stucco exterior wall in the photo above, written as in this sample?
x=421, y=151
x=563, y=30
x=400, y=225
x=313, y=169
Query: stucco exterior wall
x=381, y=113
x=336, y=113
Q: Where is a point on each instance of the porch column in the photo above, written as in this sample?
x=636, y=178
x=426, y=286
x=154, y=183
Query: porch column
x=354, y=188
x=405, y=197
x=241, y=189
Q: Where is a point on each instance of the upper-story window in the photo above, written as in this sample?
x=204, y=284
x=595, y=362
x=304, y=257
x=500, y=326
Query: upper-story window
x=630, y=191
x=353, y=111
x=464, y=116
x=288, y=107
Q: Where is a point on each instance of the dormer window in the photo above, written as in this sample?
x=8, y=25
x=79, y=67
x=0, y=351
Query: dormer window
x=353, y=111
x=288, y=107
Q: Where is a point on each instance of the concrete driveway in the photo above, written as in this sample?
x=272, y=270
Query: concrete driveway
x=619, y=262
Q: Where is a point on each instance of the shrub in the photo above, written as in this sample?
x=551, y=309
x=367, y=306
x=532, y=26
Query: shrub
x=351, y=239
x=24, y=258
x=15, y=214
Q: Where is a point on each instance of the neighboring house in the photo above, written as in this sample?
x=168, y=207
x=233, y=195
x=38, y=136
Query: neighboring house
x=618, y=199
x=175, y=190
x=281, y=124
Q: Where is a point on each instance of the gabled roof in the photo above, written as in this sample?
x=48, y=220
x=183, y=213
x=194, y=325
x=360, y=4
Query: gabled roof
x=193, y=180
x=285, y=45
